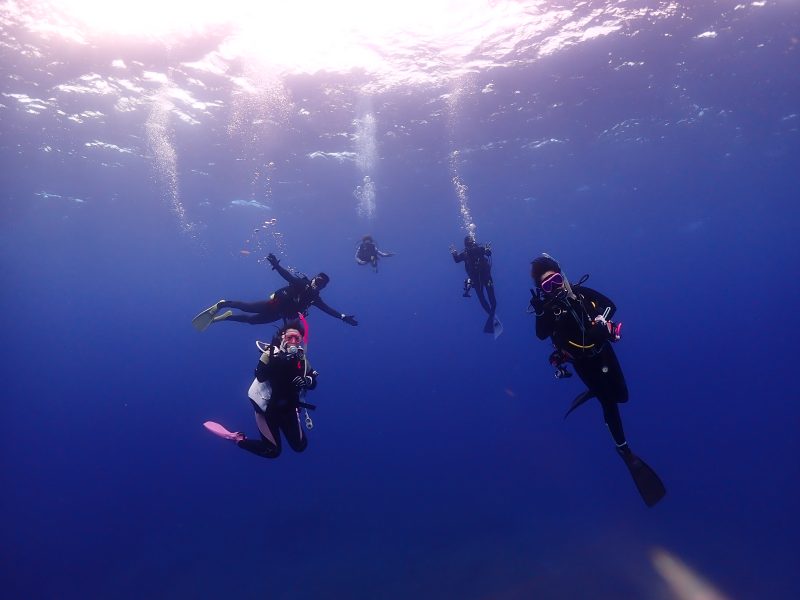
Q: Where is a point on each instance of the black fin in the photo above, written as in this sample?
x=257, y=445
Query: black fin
x=579, y=399
x=650, y=486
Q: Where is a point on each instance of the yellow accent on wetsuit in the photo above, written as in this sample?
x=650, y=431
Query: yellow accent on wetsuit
x=579, y=346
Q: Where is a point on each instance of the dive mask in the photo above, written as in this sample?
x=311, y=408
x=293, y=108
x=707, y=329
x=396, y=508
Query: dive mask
x=556, y=280
x=292, y=345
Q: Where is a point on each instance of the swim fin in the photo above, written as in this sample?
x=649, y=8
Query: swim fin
x=647, y=482
x=205, y=318
x=579, y=399
x=220, y=431
x=493, y=326
x=497, y=326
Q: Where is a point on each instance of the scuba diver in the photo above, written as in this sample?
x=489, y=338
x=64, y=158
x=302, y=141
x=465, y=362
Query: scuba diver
x=367, y=252
x=301, y=294
x=477, y=262
x=578, y=321
x=282, y=376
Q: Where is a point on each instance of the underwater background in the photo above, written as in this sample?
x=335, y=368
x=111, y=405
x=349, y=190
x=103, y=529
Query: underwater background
x=151, y=161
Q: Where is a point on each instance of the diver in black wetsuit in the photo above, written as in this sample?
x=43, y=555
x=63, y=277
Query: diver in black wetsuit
x=477, y=262
x=283, y=373
x=578, y=320
x=367, y=252
x=297, y=297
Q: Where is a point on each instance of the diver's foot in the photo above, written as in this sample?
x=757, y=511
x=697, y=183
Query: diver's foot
x=223, y=316
x=466, y=295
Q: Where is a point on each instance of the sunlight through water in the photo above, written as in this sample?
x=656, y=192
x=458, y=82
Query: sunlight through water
x=416, y=41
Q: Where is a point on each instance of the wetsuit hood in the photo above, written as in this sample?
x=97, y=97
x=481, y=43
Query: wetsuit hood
x=541, y=265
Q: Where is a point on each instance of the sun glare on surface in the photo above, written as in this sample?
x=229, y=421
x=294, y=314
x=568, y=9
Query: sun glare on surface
x=304, y=35
x=401, y=42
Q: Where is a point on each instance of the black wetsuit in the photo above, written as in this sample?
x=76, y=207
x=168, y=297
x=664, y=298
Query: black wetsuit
x=283, y=410
x=368, y=253
x=569, y=323
x=479, y=273
x=285, y=303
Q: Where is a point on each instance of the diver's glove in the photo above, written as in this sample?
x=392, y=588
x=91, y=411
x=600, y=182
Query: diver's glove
x=610, y=331
x=302, y=382
x=537, y=301
x=349, y=319
x=272, y=260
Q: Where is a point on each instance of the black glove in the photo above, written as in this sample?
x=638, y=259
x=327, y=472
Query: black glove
x=601, y=331
x=349, y=319
x=537, y=301
x=301, y=382
x=272, y=260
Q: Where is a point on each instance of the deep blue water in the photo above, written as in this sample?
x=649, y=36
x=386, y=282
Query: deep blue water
x=440, y=465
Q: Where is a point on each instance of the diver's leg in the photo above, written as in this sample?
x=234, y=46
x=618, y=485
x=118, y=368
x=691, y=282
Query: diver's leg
x=490, y=292
x=256, y=319
x=292, y=430
x=269, y=446
x=617, y=388
x=262, y=306
x=603, y=375
x=614, y=423
x=482, y=298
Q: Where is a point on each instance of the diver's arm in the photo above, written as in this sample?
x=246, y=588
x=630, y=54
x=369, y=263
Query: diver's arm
x=312, y=374
x=384, y=254
x=458, y=256
x=545, y=319
x=545, y=325
x=600, y=301
x=287, y=275
x=358, y=260
x=264, y=366
x=276, y=266
x=320, y=304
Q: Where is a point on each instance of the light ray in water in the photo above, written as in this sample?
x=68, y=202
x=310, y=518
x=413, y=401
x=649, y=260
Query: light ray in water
x=684, y=583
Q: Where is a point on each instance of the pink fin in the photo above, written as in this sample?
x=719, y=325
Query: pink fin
x=220, y=431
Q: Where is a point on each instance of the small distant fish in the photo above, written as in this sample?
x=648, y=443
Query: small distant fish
x=245, y=252
x=250, y=204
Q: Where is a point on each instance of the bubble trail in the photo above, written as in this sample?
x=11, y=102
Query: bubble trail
x=161, y=140
x=366, y=157
x=454, y=100
x=462, y=194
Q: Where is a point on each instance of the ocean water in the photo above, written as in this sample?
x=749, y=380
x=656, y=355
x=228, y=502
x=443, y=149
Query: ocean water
x=152, y=156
